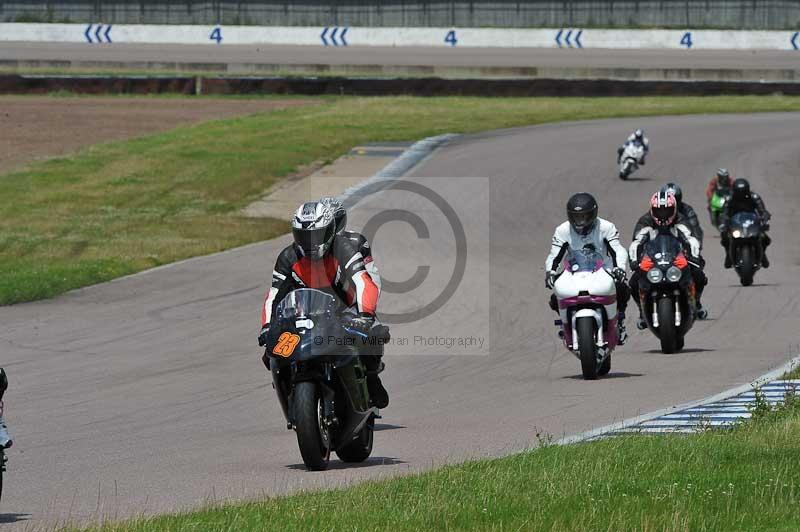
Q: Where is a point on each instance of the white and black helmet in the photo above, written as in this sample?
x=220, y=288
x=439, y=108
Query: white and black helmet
x=314, y=229
x=339, y=212
x=638, y=134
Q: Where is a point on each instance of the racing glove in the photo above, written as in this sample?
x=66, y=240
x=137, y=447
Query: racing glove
x=262, y=336
x=361, y=323
x=550, y=279
x=619, y=275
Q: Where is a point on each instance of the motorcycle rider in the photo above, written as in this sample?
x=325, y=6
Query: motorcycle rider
x=664, y=217
x=584, y=228
x=721, y=183
x=637, y=137
x=686, y=214
x=742, y=199
x=319, y=258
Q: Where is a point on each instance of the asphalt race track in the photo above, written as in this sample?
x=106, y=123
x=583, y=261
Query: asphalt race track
x=400, y=56
x=147, y=394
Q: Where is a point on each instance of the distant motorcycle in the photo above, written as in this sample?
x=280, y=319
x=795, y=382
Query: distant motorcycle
x=667, y=291
x=715, y=207
x=587, y=304
x=320, y=379
x=745, y=245
x=629, y=161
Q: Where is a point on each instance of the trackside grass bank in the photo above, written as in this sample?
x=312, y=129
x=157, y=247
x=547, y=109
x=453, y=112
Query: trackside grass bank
x=123, y=207
x=747, y=478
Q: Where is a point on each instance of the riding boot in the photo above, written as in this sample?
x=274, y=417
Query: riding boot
x=377, y=393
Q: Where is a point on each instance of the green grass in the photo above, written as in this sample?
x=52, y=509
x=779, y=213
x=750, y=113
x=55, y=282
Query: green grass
x=747, y=478
x=126, y=206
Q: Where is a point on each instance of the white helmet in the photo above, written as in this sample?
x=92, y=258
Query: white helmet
x=314, y=229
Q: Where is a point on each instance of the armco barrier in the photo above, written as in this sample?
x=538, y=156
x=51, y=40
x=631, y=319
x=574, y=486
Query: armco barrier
x=487, y=87
x=15, y=84
x=101, y=34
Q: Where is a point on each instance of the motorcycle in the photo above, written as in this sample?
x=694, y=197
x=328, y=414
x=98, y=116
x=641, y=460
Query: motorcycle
x=667, y=291
x=5, y=439
x=715, y=207
x=629, y=161
x=320, y=379
x=587, y=304
x=745, y=245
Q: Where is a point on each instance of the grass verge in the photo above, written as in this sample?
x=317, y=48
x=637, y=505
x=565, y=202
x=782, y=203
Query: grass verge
x=742, y=479
x=122, y=207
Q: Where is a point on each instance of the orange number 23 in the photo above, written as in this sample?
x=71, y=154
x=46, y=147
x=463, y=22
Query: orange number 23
x=286, y=344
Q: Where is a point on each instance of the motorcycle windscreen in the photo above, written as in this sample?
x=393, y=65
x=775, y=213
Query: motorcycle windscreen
x=584, y=260
x=305, y=303
x=663, y=248
x=748, y=224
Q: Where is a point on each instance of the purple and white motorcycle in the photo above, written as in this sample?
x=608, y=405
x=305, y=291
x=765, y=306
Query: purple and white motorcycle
x=587, y=304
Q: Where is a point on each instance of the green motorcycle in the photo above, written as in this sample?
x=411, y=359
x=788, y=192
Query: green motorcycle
x=716, y=206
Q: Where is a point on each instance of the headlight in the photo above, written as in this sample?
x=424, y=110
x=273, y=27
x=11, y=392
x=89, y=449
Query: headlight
x=674, y=274
x=655, y=275
x=736, y=233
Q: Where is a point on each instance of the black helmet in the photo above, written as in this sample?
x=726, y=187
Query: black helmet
x=314, y=229
x=676, y=191
x=741, y=189
x=339, y=212
x=582, y=212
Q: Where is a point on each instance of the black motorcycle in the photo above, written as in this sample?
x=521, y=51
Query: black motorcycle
x=320, y=379
x=667, y=291
x=745, y=237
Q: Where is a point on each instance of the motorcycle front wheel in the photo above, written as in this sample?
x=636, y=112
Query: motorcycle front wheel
x=587, y=334
x=312, y=436
x=745, y=265
x=667, y=332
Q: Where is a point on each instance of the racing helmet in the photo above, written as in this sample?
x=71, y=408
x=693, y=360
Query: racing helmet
x=582, y=212
x=741, y=189
x=663, y=208
x=314, y=229
x=723, y=178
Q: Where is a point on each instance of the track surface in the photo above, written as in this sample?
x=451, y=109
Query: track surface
x=442, y=56
x=147, y=394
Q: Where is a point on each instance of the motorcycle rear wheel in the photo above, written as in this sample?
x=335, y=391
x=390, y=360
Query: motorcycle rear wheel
x=667, y=331
x=306, y=413
x=359, y=449
x=586, y=329
x=745, y=266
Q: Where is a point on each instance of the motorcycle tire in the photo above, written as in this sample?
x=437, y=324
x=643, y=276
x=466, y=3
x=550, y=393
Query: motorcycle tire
x=667, y=332
x=745, y=265
x=586, y=329
x=306, y=413
x=360, y=448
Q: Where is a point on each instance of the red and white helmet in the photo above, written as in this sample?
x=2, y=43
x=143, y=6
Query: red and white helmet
x=663, y=208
